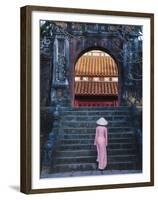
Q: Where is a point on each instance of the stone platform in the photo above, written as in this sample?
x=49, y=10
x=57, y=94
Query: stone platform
x=88, y=173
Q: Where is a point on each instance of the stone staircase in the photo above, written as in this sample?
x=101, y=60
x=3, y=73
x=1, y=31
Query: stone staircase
x=76, y=131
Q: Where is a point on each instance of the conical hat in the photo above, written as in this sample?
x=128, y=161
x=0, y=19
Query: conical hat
x=102, y=121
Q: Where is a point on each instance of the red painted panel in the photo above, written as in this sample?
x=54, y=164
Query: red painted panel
x=78, y=103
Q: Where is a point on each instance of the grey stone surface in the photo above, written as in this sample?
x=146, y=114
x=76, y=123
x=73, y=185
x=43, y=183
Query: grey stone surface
x=88, y=173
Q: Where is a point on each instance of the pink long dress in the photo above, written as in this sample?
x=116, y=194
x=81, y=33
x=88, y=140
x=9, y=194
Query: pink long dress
x=101, y=141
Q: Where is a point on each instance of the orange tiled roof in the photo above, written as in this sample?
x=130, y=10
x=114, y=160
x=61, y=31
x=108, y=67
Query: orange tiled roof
x=96, y=88
x=96, y=66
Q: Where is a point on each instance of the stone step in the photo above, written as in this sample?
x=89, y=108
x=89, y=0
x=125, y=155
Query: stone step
x=95, y=108
x=74, y=153
x=75, y=150
x=91, y=146
x=92, y=159
x=80, y=130
x=92, y=124
x=89, y=173
x=99, y=113
x=92, y=135
x=95, y=117
x=93, y=166
x=91, y=141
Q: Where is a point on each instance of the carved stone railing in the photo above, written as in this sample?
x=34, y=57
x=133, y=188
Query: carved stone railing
x=50, y=118
x=136, y=112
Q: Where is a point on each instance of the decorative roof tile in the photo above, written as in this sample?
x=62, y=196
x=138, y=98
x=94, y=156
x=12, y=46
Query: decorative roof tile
x=96, y=88
x=102, y=66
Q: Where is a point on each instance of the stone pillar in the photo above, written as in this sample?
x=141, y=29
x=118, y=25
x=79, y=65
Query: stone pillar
x=60, y=85
x=132, y=86
x=126, y=56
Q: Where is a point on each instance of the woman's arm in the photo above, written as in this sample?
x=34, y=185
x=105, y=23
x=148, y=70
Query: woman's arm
x=95, y=140
x=106, y=136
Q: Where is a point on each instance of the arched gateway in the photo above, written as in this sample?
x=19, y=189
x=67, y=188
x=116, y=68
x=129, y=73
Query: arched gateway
x=65, y=43
x=96, y=80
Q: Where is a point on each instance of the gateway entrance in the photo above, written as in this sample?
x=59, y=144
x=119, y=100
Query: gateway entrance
x=96, y=80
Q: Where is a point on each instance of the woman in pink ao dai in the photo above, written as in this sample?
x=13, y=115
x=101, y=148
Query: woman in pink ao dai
x=101, y=142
